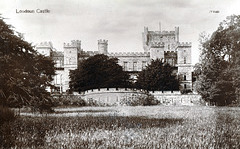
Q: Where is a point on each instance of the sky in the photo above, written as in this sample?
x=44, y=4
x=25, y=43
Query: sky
x=121, y=22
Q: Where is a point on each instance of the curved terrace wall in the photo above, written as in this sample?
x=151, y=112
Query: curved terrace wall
x=114, y=96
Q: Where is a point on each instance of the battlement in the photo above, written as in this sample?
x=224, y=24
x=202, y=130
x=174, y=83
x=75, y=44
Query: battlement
x=185, y=44
x=73, y=44
x=45, y=45
x=170, y=52
x=157, y=44
x=168, y=32
x=92, y=53
x=119, y=54
x=162, y=32
x=103, y=41
x=127, y=90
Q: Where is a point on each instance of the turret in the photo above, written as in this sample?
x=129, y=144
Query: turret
x=74, y=44
x=177, y=34
x=44, y=48
x=103, y=46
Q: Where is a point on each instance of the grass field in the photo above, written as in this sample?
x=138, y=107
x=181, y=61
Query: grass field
x=126, y=127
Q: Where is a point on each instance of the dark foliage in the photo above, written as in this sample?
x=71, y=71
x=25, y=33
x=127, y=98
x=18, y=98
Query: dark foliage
x=157, y=76
x=220, y=65
x=98, y=71
x=69, y=100
x=24, y=74
x=144, y=99
x=6, y=115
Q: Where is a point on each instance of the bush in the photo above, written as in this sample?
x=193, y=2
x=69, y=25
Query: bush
x=145, y=99
x=186, y=91
x=69, y=100
x=6, y=114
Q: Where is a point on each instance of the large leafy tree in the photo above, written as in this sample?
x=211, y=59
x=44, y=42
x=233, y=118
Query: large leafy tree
x=219, y=78
x=24, y=74
x=157, y=76
x=98, y=71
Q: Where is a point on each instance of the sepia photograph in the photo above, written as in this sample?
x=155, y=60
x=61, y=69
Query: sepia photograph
x=79, y=74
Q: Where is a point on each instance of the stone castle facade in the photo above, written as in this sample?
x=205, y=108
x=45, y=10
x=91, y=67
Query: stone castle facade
x=156, y=44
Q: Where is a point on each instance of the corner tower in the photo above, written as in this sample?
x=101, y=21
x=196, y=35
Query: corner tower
x=165, y=45
x=44, y=48
x=103, y=46
x=71, y=51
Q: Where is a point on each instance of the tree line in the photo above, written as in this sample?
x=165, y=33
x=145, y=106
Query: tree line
x=25, y=74
x=218, y=72
x=101, y=71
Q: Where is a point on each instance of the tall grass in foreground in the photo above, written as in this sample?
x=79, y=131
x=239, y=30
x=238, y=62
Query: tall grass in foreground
x=7, y=116
x=180, y=128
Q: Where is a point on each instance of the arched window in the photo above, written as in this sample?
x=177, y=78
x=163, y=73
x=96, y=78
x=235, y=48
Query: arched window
x=134, y=66
x=125, y=68
x=184, y=59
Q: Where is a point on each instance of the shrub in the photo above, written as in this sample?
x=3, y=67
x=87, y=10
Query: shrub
x=69, y=100
x=92, y=102
x=186, y=91
x=6, y=114
x=145, y=99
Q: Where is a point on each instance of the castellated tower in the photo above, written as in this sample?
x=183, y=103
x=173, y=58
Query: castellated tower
x=71, y=51
x=165, y=45
x=103, y=46
x=45, y=48
x=185, y=64
x=177, y=34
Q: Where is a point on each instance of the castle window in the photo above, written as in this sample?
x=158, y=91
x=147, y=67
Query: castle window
x=185, y=86
x=57, y=63
x=184, y=59
x=169, y=61
x=125, y=66
x=134, y=66
x=61, y=63
x=168, y=47
x=185, y=78
x=144, y=64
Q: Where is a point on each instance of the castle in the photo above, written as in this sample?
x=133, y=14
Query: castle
x=156, y=44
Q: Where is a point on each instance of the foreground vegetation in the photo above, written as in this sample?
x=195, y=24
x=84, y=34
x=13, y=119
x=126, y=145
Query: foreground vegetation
x=126, y=127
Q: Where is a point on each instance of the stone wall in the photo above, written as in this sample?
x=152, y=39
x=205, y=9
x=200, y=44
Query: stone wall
x=114, y=96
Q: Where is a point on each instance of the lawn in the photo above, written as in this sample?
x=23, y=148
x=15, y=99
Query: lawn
x=126, y=127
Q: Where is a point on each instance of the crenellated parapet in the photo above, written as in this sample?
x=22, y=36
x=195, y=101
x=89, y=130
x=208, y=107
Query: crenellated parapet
x=184, y=44
x=162, y=32
x=168, y=32
x=103, y=46
x=73, y=44
x=92, y=53
x=157, y=44
x=45, y=45
x=129, y=54
x=102, y=41
x=170, y=52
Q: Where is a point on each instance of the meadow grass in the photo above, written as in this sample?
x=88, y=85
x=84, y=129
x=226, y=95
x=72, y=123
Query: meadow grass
x=127, y=127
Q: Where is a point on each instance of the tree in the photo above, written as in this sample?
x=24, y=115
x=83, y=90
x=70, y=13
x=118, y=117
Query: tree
x=219, y=78
x=24, y=74
x=98, y=71
x=157, y=76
